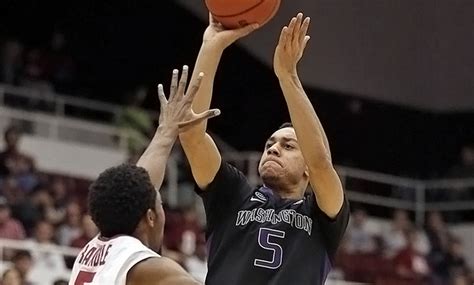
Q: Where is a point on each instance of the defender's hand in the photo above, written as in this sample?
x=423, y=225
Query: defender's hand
x=291, y=46
x=176, y=112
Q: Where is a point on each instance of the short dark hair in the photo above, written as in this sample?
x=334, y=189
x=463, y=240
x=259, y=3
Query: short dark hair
x=286, y=125
x=119, y=198
x=20, y=254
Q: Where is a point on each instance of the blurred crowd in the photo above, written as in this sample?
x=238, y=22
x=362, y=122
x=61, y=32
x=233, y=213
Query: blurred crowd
x=46, y=68
x=47, y=210
x=403, y=253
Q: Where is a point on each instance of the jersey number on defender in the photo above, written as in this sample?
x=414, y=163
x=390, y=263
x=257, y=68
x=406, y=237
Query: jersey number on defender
x=265, y=237
x=84, y=277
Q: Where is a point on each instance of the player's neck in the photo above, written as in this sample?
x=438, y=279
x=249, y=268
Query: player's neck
x=286, y=192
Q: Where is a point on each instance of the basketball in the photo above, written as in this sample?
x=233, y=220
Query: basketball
x=238, y=13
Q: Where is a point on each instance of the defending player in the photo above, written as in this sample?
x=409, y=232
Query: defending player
x=127, y=209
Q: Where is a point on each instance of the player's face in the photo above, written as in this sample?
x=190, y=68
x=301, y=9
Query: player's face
x=157, y=230
x=282, y=161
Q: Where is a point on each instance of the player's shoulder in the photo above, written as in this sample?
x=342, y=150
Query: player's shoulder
x=158, y=271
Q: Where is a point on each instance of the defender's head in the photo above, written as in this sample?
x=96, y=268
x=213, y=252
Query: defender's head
x=123, y=201
x=282, y=165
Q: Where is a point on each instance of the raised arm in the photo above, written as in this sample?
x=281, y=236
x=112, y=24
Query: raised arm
x=314, y=145
x=175, y=115
x=201, y=151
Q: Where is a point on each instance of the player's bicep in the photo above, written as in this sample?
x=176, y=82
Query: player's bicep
x=203, y=157
x=327, y=188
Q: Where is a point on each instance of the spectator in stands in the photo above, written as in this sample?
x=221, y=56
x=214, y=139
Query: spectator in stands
x=23, y=262
x=359, y=238
x=182, y=231
x=71, y=229
x=10, y=189
x=33, y=208
x=395, y=238
x=35, y=72
x=454, y=263
x=89, y=231
x=59, y=193
x=11, y=62
x=11, y=277
x=44, y=260
x=196, y=264
x=61, y=68
x=439, y=237
x=16, y=164
x=409, y=263
x=9, y=227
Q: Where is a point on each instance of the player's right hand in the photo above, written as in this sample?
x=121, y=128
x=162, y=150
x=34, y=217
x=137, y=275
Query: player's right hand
x=219, y=37
x=176, y=112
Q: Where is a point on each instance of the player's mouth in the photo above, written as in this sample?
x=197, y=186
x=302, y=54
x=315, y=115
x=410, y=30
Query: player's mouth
x=272, y=160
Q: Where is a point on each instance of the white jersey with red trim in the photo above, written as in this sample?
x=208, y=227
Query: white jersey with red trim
x=108, y=261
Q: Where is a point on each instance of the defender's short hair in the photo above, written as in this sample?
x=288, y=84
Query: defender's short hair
x=119, y=198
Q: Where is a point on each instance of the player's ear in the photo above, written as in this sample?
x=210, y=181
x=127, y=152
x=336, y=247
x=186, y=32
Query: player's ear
x=150, y=217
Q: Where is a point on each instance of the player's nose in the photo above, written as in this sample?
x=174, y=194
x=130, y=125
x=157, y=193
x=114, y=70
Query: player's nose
x=273, y=150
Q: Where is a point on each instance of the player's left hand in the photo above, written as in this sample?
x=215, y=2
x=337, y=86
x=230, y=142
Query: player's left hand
x=176, y=112
x=291, y=45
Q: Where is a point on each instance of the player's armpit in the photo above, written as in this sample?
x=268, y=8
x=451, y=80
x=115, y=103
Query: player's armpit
x=327, y=188
x=203, y=156
x=159, y=271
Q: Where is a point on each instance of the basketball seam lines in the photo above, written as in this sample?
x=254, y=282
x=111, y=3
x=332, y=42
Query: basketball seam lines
x=242, y=12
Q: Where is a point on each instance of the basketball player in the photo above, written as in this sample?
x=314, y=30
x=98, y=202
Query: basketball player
x=127, y=209
x=276, y=233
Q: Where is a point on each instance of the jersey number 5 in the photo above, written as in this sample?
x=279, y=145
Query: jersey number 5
x=84, y=277
x=265, y=237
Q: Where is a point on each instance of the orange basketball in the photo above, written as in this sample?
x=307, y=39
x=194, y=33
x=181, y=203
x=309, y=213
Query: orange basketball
x=238, y=13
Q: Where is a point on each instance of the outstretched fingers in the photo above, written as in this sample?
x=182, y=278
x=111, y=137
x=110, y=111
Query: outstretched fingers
x=198, y=118
x=183, y=81
x=304, y=30
x=283, y=36
x=297, y=29
x=162, y=97
x=174, y=83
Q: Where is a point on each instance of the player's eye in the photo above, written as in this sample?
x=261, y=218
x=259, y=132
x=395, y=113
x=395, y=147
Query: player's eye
x=289, y=146
x=268, y=145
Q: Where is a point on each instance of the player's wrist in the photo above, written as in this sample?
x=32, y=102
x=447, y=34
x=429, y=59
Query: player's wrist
x=213, y=46
x=165, y=130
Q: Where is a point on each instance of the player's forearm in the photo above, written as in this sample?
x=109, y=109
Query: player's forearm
x=156, y=154
x=206, y=62
x=309, y=131
x=324, y=180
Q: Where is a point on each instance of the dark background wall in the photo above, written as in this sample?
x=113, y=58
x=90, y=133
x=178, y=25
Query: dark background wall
x=120, y=45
